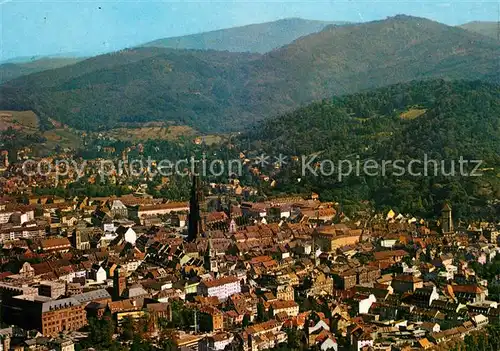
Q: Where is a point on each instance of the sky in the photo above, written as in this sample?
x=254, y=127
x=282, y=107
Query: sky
x=89, y=27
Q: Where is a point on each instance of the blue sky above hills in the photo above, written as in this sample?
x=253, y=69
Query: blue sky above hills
x=51, y=27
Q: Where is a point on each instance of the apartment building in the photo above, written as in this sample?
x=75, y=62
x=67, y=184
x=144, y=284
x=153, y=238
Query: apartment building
x=44, y=314
x=222, y=288
x=291, y=308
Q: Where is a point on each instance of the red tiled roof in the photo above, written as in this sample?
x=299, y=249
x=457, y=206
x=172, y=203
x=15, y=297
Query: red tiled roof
x=280, y=304
x=216, y=217
x=382, y=255
x=468, y=289
x=407, y=278
x=50, y=243
x=220, y=281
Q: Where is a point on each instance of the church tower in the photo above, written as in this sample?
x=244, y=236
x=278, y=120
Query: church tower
x=210, y=259
x=233, y=228
x=195, y=226
x=314, y=257
x=446, y=219
x=78, y=239
x=119, y=282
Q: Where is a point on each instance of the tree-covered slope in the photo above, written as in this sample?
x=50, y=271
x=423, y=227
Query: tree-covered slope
x=196, y=88
x=345, y=59
x=430, y=120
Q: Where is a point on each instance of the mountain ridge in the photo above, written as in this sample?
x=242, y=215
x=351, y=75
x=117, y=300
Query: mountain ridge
x=489, y=29
x=257, y=37
x=12, y=69
x=222, y=91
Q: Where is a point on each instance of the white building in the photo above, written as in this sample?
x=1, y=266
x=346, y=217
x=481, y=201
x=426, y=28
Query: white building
x=129, y=235
x=98, y=274
x=290, y=307
x=364, y=341
x=329, y=344
x=221, y=288
x=20, y=218
x=389, y=243
x=109, y=227
x=480, y=321
x=5, y=216
x=431, y=327
x=132, y=265
x=364, y=305
x=216, y=342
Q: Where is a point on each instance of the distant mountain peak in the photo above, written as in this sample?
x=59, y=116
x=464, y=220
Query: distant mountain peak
x=294, y=19
x=479, y=22
x=406, y=17
x=258, y=38
x=489, y=29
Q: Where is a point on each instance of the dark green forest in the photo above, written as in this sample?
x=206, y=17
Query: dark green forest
x=448, y=120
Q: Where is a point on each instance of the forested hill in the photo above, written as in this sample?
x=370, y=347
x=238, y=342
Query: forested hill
x=221, y=91
x=350, y=58
x=443, y=120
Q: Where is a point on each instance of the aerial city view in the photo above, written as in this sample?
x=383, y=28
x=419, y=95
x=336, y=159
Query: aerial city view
x=248, y=176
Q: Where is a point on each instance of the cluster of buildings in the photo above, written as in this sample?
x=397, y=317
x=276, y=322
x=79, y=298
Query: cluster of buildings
x=248, y=272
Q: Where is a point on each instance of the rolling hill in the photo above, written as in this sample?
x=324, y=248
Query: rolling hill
x=450, y=120
x=193, y=88
x=489, y=29
x=258, y=38
x=350, y=58
x=220, y=91
x=12, y=70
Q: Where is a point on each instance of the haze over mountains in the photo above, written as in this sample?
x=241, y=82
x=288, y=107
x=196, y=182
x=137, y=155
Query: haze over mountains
x=261, y=38
x=12, y=70
x=489, y=29
x=221, y=91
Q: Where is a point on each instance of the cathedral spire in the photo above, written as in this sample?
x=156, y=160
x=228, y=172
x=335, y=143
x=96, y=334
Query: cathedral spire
x=195, y=225
x=446, y=219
